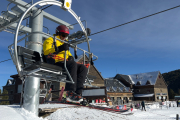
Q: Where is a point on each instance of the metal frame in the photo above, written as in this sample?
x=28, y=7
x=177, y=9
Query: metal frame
x=32, y=73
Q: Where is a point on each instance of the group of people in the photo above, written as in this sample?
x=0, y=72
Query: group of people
x=139, y=105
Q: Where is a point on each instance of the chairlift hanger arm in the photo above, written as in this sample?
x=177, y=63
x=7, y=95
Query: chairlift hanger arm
x=22, y=17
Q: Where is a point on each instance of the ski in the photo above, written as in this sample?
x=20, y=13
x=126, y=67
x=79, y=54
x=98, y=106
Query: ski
x=92, y=107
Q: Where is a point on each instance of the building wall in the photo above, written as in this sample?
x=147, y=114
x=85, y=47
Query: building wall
x=144, y=90
x=162, y=92
x=99, y=81
x=160, y=89
x=147, y=89
x=115, y=95
x=10, y=89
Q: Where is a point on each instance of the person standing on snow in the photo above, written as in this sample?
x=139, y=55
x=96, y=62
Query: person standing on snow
x=143, y=105
x=177, y=102
x=131, y=108
x=78, y=72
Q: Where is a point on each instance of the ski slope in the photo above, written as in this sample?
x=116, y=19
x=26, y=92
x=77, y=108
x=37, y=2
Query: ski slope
x=153, y=112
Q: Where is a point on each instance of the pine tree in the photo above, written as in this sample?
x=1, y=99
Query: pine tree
x=5, y=97
x=171, y=94
x=179, y=91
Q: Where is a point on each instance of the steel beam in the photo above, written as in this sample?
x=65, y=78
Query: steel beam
x=22, y=28
x=9, y=15
x=57, y=20
x=46, y=15
x=18, y=10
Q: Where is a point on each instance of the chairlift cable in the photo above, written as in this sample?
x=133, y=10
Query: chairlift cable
x=117, y=25
x=5, y=60
x=136, y=20
x=46, y=7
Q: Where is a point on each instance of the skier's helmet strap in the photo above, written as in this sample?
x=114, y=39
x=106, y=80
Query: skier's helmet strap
x=62, y=29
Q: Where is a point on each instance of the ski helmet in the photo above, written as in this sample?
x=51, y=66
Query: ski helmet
x=62, y=29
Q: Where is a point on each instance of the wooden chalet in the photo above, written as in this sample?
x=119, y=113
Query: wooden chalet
x=117, y=91
x=149, y=86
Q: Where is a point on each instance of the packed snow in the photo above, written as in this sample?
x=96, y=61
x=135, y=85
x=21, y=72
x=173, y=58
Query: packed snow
x=70, y=112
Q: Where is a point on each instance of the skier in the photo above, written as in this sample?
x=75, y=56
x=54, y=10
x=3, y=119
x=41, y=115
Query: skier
x=131, y=108
x=143, y=105
x=78, y=72
x=177, y=102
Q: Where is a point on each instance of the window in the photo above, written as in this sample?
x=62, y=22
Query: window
x=52, y=87
x=137, y=90
x=118, y=98
x=159, y=76
x=148, y=91
x=148, y=83
x=130, y=98
x=19, y=88
x=138, y=83
x=136, y=76
x=124, y=89
x=112, y=98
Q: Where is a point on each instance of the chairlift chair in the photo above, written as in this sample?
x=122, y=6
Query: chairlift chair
x=30, y=63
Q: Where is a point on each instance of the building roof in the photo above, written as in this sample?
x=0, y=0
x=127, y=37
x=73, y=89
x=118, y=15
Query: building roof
x=114, y=85
x=125, y=77
x=10, y=82
x=80, y=57
x=148, y=78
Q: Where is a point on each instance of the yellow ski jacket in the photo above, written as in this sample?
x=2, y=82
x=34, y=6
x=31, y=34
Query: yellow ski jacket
x=48, y=48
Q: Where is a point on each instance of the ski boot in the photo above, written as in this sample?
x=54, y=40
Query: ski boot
x=72, y=97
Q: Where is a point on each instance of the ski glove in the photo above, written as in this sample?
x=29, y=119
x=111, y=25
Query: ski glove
x=71, y=58
x=65, y=47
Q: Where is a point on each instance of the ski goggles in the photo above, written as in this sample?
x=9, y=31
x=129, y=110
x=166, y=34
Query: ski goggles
x=63, y=34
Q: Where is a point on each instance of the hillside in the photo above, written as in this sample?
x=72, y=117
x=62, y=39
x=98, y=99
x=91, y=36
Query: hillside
x=172, y=79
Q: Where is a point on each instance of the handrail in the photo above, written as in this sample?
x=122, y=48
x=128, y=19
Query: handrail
x=71, y=45
x=58, y=3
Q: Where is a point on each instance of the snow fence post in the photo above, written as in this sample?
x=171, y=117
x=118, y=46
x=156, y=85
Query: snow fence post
x=177, y=116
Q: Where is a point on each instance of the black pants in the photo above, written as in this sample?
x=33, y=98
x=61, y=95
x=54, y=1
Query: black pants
x=78, y=73
x=144, y=108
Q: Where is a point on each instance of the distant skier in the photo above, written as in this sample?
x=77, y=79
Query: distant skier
x=131, y=107
x=143, y=105
x=177, y=102
x=78, y=72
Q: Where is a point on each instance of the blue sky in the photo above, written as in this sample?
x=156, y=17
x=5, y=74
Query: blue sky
x=151, y=44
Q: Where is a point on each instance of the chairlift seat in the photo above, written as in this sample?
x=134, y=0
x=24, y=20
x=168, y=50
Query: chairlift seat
x=32, y=64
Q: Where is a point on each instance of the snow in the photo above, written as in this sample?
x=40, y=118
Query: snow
x=70, y=112
x=14, y=112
